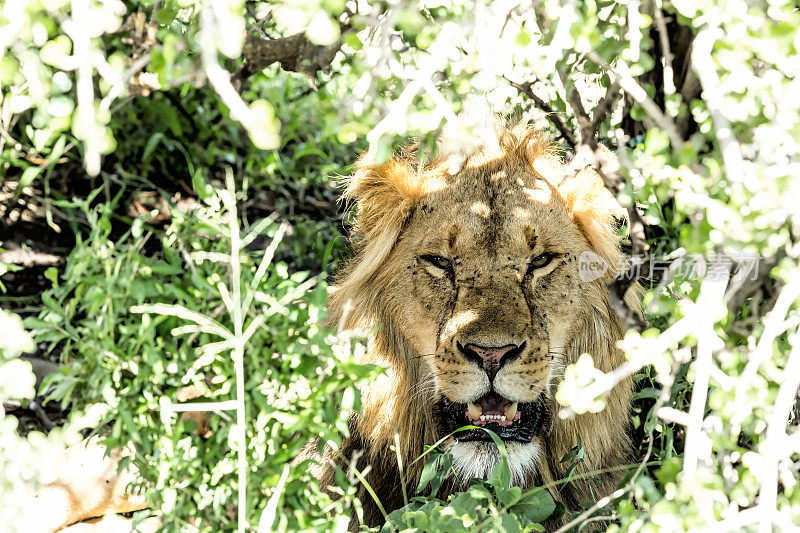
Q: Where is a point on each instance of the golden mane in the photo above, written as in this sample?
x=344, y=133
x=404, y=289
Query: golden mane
x=386, y=197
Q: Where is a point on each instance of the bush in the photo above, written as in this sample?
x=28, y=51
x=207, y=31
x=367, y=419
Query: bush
x=141, y=333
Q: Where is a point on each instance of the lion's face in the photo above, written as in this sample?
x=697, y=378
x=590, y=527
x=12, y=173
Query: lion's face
x=488, y=292
x=479, y=273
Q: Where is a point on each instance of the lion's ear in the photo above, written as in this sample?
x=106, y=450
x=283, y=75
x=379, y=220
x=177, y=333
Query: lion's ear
x=596, y=211
x=385, y=196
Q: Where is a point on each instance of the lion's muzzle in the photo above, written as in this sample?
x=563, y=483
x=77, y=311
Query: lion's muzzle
x=509, y=420
x=491, y=359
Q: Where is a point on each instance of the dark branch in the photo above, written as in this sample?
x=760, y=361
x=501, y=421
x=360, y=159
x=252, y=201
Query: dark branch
x=294, y=53
x=608, y=167
x=605, y=105
x=525, y=88
x=584, y=122
x=591, y=153
x=182, y=110
x=41, y=416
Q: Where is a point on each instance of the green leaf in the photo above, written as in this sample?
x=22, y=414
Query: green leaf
x=647, y=392
x=510, y=524
x=434, y=472
x=509, y=496
x=501, y=474
x=28, y=175
x=52, y=275
x=166, y=15
x=536, y=505
x=151, y=145
x=655, y=141
x=201, y=187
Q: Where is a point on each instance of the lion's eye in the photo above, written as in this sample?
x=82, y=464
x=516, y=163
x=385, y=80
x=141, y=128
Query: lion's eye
x=540, y=261
x=438, y=261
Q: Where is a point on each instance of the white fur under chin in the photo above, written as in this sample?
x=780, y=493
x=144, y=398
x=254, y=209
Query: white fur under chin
x=477, y=459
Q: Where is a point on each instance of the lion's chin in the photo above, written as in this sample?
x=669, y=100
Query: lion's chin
x=477, y=459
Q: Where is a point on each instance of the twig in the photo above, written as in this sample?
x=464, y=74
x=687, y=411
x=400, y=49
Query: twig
x=604, y=106
x=712, y=291
x=634, y=31
x=666, y=54
x=712, y=96
x=773, y=449
x=182, y=110
x=84, y=87
x=525, y=88
x=602, y=502
x=606, y=518
x=220, y=78
x=774, y=325
x=632, y=87
x=567, y=16
x=120, y=84
x=576, y=102
x=29, y=258
x=41, y=416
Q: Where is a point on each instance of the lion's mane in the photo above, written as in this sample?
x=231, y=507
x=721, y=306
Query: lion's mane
x=397, y=406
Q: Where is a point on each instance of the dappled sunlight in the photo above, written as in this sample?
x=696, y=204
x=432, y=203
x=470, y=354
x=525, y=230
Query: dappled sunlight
x=481, y=209
x=540, y=193
x=454, y=325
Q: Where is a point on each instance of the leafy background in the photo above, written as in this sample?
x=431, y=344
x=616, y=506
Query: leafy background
x=163, y=191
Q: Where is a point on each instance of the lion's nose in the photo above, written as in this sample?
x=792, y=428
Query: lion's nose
x=490, y=358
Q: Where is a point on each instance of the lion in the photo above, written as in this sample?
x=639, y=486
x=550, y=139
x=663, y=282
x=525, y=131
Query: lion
x=466, y=270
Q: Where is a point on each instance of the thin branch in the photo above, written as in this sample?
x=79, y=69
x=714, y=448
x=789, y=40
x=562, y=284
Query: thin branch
x=41, y=416
x=667, y=340
x=712, y=291
x=666, y=54
x=294, y=53
x=584, y=517
x=774, y=325
x=85, y=113
x=525, y=88
x=182, y=110
x=576, y=102
x=602, y=502
x=712, y=96
x=604, y=106
x=634, y=29
x=122, y=82
x=632, y=87
x=29, y=258
x=773, y=448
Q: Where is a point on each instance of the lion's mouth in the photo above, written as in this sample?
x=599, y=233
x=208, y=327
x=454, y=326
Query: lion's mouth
x=509, y=420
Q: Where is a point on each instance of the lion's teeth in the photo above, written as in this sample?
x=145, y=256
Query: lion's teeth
x=511, y=411
x=475, y=411
x=483, y=418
